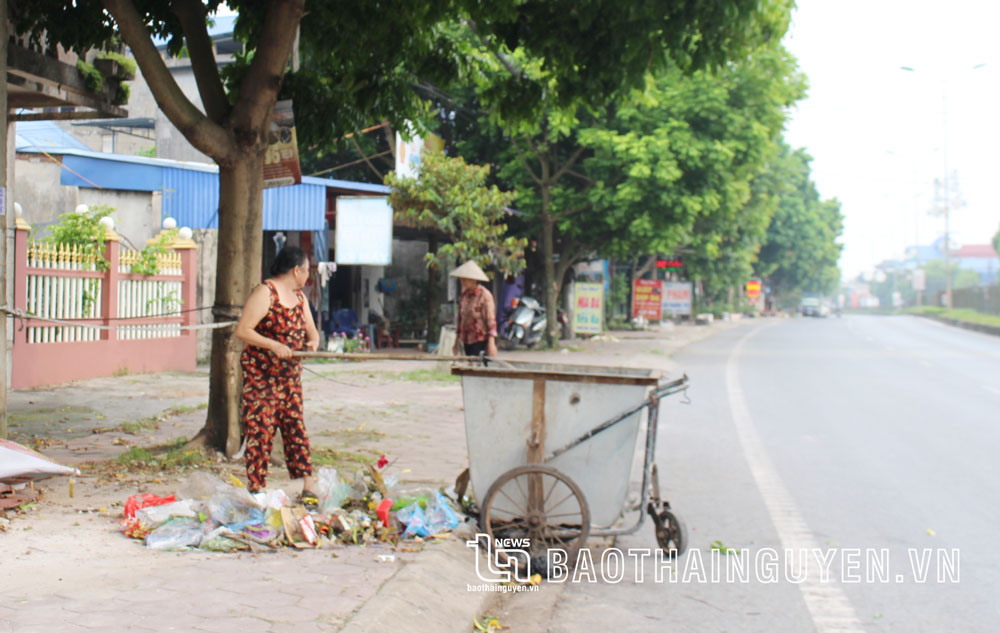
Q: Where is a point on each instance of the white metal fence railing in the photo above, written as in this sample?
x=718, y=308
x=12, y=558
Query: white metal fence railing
x=57, y=296
x=79, y=294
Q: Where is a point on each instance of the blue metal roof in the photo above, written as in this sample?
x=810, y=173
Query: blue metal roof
x=35, y=136
x=191, y=190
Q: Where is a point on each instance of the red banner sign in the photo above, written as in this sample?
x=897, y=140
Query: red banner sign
x=647, y=299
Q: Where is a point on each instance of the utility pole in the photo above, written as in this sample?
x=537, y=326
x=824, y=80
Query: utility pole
x=947, y=197
x=5, y=205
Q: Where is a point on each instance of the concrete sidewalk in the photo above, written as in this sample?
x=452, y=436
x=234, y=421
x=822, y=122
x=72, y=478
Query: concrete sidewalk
x=65, y=567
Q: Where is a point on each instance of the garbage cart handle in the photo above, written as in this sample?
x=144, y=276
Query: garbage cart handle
x=670, y=388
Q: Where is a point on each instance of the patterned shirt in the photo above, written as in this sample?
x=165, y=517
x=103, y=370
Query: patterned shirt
x=477, y=318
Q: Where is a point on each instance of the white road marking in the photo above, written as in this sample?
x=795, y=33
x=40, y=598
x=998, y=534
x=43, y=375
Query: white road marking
x=828, y=606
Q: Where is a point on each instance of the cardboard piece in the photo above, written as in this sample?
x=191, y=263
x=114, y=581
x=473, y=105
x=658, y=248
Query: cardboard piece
x=298, y=527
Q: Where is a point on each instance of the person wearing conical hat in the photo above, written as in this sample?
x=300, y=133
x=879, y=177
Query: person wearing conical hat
x=476, y=327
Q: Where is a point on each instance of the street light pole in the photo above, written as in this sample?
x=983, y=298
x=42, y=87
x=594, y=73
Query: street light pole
x=947, y=195
x=945, y=184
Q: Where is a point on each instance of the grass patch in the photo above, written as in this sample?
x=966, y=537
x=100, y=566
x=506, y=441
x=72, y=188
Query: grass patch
x=152, y=423
x=184, y=408
x=429, y=375
x=171, y=456
x=353, y=435
x=343, y=460
x=964, y=314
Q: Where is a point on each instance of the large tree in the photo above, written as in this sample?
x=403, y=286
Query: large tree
x=670, y=167
x=800, y=251
x=363, y=62
x=451, y=201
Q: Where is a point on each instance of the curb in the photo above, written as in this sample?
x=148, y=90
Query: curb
x=427, y=595
x=965, y=325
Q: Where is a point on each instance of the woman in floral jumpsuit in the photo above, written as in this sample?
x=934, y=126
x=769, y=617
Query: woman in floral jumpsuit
x=276, y=321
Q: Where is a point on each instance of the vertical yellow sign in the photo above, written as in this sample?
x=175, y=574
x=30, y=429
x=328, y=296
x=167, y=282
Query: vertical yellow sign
x=588, y=308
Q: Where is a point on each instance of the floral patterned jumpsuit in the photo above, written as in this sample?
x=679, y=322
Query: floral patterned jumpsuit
x=272, y=394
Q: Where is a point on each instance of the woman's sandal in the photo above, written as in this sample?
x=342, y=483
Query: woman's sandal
x=309, y=500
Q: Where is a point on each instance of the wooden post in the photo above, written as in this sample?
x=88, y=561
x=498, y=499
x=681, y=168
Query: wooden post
x=536, y=446
x=5, y=135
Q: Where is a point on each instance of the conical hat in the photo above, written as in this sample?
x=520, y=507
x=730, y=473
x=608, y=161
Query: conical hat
x=469, y=270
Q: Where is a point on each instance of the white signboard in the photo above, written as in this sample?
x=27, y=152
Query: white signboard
x=364, y=231
x=919, y=280
x=408, y=155
x=676, y=297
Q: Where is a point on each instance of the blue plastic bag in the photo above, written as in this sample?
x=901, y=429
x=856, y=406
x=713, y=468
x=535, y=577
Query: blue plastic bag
x=439, y=516
x=412, y=516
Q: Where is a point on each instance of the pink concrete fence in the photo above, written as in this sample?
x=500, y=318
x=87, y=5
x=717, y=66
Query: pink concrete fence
x=141, y=322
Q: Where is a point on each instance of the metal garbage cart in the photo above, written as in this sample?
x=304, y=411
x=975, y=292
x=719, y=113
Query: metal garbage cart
x=552, y=446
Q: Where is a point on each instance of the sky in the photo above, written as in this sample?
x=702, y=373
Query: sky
x=880, y=136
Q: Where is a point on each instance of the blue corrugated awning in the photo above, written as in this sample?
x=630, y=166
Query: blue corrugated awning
x=191, y=190
x=37, y=136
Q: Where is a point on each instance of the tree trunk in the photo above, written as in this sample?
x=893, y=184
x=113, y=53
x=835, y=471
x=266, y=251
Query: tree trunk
x=433, y=292
x=238, y=271
x=551, y=283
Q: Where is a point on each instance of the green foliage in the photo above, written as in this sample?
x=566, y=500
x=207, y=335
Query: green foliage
x=91, y=76
x=965, y=315
x=85, y=231
x=122, y=94
x=996, y=241
x=800, y=251
x=436, y=374
x=149, y=152
x=936, y=276
x=672, y=168
x=451, y=197
x=148, y=262
x=126, y=65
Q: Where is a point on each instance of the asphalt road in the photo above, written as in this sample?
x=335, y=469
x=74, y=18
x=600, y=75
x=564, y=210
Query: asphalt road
x=869, y=440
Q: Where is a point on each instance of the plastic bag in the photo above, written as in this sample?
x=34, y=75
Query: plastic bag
x=412, y=516
x=326, y=479
x=256, y=518
x=201, y=485
x=358, y=486
x=229, y=506
x=439, y=517
x=137, y=502
x=218, y=541
x=277, y=499
x=177, y=533
x=154, y=516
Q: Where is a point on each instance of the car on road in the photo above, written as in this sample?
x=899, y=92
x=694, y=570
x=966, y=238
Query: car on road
x=814, y=305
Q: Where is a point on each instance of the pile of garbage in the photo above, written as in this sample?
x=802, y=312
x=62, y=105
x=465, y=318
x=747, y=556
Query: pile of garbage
x=210, y=514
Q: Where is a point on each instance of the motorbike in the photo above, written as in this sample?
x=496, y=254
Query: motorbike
x=525, y=325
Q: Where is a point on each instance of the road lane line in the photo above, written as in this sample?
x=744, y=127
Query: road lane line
x=827, y=603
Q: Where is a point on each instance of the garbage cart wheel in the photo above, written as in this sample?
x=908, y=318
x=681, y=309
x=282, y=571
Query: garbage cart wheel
x=671, y=532
x=541, y=504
